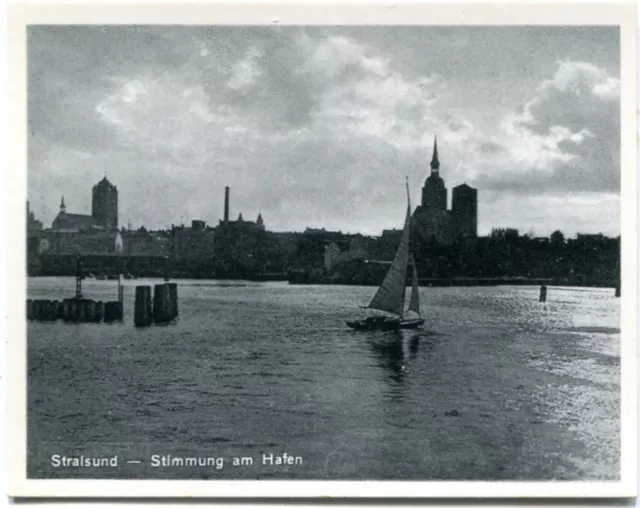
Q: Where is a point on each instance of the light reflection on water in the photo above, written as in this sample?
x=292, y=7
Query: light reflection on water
x=497, y=385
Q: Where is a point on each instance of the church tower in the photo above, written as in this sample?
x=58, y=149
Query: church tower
x=63, y=208
x=104, y=206
x=434, y=192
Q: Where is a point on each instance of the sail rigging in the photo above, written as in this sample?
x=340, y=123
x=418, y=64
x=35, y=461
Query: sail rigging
x=391, y=294
x=414, y=302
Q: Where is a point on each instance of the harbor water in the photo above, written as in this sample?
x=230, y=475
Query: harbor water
x=497, y=386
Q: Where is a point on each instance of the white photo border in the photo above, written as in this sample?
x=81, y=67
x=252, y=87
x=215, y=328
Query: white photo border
x=20, y=15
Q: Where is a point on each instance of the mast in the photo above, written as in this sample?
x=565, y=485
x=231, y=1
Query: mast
x=414, y=302
x=408, y=226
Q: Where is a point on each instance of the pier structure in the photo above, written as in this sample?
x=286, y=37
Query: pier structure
x=77, y=309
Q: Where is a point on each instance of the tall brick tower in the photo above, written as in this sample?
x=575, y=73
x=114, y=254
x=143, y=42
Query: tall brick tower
x=464, y=211
x=104, y=207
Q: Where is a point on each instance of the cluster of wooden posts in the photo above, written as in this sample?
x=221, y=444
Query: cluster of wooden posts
x=163, y=308
x=74, y=310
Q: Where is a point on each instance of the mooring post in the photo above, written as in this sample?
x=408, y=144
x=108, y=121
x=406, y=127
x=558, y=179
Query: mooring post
x=82, y=311
x=543, y=293
x=46, y=315
x=90, y=312
x=173, y=300
x=120, y=296
x=66, y=310
x=99, y=313
x=142, y=315
x=110, y=312
x=161, y=303
x=29, y=309
x=42, y=311
x=79, y=277
x=618, y=291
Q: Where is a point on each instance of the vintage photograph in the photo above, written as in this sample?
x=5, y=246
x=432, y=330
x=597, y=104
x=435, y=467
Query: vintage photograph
x=323, y=252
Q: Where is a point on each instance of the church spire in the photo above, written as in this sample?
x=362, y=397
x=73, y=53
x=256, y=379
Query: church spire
x=62, y=206
x=435, y=163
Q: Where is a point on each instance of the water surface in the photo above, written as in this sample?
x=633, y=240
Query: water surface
x=497, y=386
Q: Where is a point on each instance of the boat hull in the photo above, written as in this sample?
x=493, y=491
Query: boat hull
x=374, y=324
x=411, y=323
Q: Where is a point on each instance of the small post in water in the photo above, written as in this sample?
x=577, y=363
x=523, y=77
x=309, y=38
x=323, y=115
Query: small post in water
x=173, y=299
x=79, y=277
x=161, y=308
x=120, y=296
x=143, y=313
x=543, y=293
x=618, y=291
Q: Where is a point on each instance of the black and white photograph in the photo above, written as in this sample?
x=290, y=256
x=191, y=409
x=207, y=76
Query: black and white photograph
x=325, y=251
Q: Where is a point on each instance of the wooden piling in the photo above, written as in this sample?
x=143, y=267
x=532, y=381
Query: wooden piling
x=107, y=313
x=543, y=293
x=79, y=277
x=82, y=311
x=73, y=310
x=66, y=310
x=110, y=312
x=143, y=314
x=160, y=303
x=53, y=310
x=59, y=310
x=99, y=312
x=173, y=300
x=44, y=310
x=29, y=309
x=618, y=291
x=90, y=311
x=41, y=310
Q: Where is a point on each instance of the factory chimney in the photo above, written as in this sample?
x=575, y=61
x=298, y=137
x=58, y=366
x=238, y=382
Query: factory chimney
x=226, y=205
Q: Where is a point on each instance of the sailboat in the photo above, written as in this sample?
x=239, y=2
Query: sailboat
x=389, y=299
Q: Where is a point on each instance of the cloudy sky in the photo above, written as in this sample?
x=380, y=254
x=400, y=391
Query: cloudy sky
x=319, y=126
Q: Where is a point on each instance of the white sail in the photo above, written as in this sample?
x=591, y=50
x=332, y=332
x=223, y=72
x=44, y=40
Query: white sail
x=390, y=295
x=414, y=301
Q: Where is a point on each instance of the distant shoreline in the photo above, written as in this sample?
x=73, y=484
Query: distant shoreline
x=298, y=279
